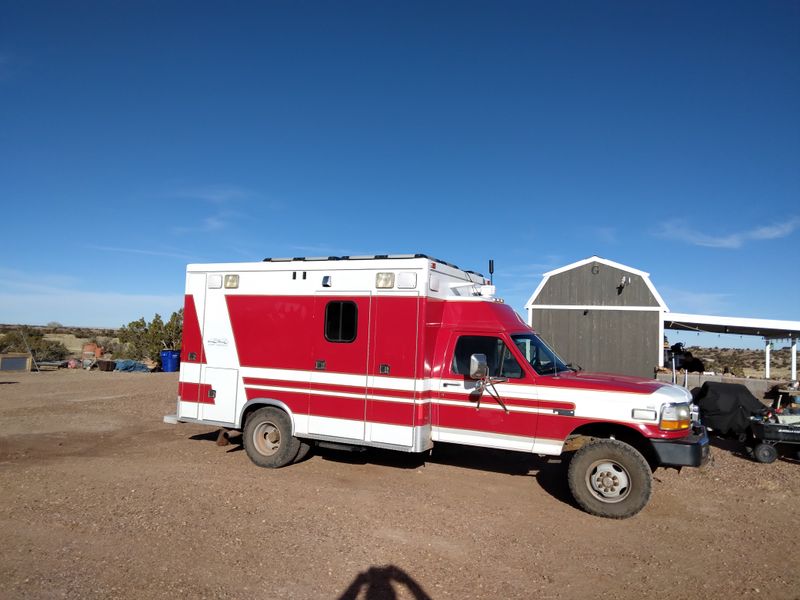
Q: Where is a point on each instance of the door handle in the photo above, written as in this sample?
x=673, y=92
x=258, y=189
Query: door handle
x=320, y=365
x=451, y=384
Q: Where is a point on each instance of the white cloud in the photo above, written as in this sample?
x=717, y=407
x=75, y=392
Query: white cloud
x=38, y=298
x=216, y=222
x=677, y=230
x=84, y=309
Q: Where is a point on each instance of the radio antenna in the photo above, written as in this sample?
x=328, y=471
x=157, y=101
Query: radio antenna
x=491, y=271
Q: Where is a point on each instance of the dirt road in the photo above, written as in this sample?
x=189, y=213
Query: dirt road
x=99, y=499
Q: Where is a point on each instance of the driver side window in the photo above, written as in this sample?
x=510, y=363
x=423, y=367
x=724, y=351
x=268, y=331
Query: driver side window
x=498, y=356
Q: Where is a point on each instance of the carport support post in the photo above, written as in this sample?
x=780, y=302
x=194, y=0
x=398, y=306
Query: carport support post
x=767, y=349
x=794, y=359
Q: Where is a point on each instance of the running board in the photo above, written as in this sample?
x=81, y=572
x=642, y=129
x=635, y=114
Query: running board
x=345, y=447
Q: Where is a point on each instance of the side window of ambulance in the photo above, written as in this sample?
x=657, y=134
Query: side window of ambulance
x=341, y=321
x=501, y=362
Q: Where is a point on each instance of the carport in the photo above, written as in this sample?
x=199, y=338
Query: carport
x=769, y=329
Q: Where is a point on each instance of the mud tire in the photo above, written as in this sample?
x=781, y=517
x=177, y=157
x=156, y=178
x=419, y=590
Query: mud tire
x=268, y=438
x=305, y=448
x=610, y=479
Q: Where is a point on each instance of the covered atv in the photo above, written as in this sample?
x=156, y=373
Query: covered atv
x=727, y=407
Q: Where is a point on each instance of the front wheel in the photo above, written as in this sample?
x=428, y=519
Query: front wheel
x=609, y=478
x=268, y=438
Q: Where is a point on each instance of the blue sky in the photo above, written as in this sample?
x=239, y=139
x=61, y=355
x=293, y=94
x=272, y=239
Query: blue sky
x=138, y=136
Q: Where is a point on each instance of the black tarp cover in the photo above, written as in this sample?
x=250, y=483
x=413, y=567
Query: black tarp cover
x=727, y=407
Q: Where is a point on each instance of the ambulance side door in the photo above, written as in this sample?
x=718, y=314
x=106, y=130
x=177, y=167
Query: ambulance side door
x=340, y=345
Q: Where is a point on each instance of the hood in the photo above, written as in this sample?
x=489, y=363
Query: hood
x=606, y=382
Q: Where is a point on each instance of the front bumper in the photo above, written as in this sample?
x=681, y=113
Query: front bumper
x=691, y=451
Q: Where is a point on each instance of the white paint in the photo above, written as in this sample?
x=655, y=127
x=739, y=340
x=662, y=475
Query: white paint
x=767, y=353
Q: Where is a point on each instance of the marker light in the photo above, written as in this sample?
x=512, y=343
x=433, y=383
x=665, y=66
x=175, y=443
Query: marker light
x=384, y=280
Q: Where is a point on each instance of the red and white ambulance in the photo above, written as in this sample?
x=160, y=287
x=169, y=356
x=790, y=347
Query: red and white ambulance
x=402, y=352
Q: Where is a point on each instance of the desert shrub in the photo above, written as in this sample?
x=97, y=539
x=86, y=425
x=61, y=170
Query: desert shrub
x=143, y=340
x=43, y=350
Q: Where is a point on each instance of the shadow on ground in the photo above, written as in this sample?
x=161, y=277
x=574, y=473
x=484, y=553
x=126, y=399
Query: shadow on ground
x=382, y=583
x=549, y=472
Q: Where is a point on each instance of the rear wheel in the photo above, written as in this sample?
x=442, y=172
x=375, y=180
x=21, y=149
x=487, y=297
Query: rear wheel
x=765, y=453
x=305, y=448
x=609, y=478
x=268, y=438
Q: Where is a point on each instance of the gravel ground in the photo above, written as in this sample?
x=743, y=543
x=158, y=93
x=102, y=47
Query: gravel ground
x=100, y=499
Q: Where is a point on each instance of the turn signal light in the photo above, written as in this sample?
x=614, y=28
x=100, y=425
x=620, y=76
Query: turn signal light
x=675, y=417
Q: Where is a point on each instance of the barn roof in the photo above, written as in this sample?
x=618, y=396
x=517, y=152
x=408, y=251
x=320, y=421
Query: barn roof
x=597, y=259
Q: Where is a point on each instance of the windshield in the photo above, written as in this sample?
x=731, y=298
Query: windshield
x=543, y=360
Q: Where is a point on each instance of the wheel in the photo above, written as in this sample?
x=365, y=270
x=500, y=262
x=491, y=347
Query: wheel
x=305, y=448
x=765, y=453
x=609, y=478
x=268, y=438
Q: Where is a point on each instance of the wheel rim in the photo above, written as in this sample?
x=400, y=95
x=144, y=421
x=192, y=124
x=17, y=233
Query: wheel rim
x=608, y=481
x=267, y=438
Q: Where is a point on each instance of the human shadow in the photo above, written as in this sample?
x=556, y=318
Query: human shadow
x=381, y=583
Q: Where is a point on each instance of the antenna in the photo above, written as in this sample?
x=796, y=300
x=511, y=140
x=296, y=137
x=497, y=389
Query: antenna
x=491, y=271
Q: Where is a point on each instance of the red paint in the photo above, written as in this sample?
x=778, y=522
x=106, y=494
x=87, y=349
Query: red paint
x=487, y=419
x=415, y=337
x=395, y=330
x=393, y=413
x=605, y=382
x=192, y=339
x=195, y=392
x=274, y=331
x=558, y=427
x=296, y=401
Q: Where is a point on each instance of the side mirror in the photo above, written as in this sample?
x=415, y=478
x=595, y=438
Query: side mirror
x=478, y=367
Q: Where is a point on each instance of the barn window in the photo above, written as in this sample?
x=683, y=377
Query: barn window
x=341, y=321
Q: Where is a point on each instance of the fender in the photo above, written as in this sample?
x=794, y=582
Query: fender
x=263, y=402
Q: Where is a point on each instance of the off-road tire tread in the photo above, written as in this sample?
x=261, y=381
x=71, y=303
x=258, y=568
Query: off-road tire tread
x=290, y=445
x=637, y=466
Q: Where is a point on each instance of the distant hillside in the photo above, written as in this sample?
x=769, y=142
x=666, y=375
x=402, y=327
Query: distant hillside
x=743, y=362
x=57, y=328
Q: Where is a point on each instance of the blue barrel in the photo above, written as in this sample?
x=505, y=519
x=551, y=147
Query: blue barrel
x=170, y=359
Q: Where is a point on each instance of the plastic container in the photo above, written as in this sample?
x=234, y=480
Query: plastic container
x=170, y=359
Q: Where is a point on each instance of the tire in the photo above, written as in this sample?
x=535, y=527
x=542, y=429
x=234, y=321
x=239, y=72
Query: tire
x=765, y=453
x=305, y=448
x=611, y=479
x=268, y=438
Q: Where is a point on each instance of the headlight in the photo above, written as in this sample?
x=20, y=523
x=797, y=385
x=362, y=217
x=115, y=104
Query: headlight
x=675, y=417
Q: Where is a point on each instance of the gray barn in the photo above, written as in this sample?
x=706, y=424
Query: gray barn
x=601, y=315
